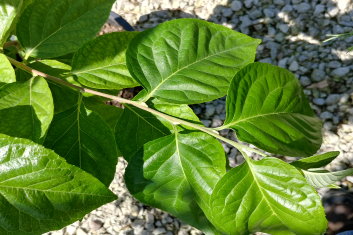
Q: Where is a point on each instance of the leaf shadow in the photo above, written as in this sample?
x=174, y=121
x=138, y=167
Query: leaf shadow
x=20, y=121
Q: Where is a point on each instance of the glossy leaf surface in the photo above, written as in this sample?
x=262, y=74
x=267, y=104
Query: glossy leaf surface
x=268, y=196
x=26, y=109
x=51, y=28
x=267, y=107
x=325, y=179
x=101, y=63
x=187, y=60
x=7, y=73
x=9, y=12
x=177, y=173
x=142, y=127
x=316, y=161
x=40, y=192
x=84, y=139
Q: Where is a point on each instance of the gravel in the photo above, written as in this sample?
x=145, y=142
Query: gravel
x=292, y=32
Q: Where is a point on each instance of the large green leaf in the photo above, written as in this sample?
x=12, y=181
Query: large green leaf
x=40, y=192
x=268, y=196
x=27, y=108
x=177, y=173
x=316, y=161
x=325, y=179
x=267, y=107
x=51, y=28
x=7, y=73
x=101, y=63
x=187, y=60
x=84, y=139
x=135, y=128
x=9, y=12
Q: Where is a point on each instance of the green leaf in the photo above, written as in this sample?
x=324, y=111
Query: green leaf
x=109, y=113
x=325, y=179
x=84, y=139
x=101, y=63
x=7, y=73
x=21, y=75
x=181, y=111
x=64, y=97
x=9, y=12
x=51, y=28
x=40, y=192
x=135, y=128
x=316, y=161
x=188, y=61
x=177, y=173
x=27, y=108
x=267, y=107
x=268, y=196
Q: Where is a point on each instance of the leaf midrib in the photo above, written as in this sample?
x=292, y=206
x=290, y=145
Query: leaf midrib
x=261, y=191
x=53, y=191
x=261, y=115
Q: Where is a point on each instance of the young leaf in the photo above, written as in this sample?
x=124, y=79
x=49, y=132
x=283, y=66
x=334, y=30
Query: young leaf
x=101, y=63
x=9, y=12
x=51, y=28
x=40, y=192
x=316, y=161
x=267, y=107
x=177, y=173
x=7, y=73
x=188, y=61
x=325, y=179
x=84, y=139
x=142, y=127
x=181, y=111
x=268, y=196
x=26, y=109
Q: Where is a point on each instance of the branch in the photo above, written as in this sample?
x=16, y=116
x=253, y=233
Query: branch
x=137, y=104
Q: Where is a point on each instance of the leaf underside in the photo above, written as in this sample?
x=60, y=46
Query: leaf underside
x=316, y=161
x=325, y=179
